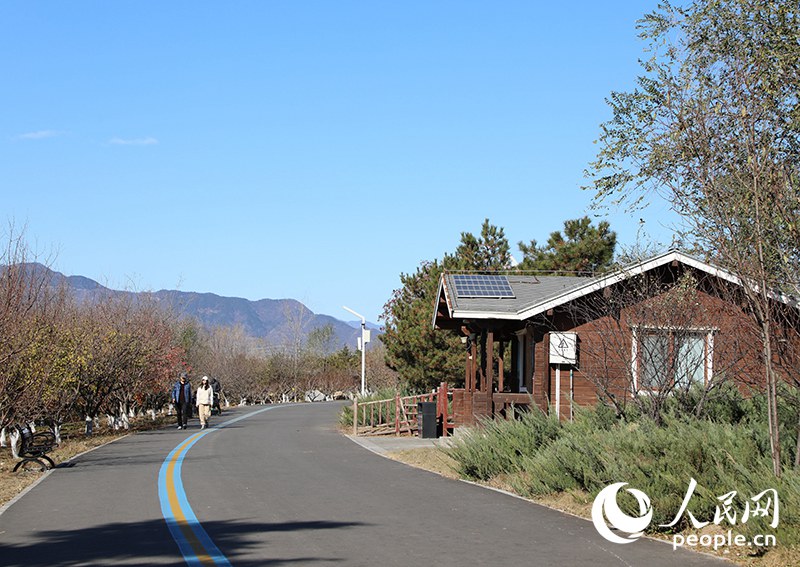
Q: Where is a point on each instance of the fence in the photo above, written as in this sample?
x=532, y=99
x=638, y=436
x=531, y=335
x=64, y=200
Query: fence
x=398, y=415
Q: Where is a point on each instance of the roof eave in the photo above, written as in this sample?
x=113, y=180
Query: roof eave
x=438, y=300
x=485, y=315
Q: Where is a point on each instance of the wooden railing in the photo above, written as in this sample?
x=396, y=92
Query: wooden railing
x=398, y=415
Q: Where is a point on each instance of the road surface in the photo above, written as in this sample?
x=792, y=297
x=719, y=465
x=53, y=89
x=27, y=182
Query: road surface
x=279, y=485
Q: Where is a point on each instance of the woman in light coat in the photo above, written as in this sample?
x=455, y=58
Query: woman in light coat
x=205, y=399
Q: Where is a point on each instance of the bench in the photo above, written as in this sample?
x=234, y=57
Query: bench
x=33, y=449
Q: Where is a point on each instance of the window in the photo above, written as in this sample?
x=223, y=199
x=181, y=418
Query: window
x=671, y=357
x=690, y=360
x=653, y=358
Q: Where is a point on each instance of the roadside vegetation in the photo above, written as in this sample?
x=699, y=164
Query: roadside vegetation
x=567, y=464
x=73, y=442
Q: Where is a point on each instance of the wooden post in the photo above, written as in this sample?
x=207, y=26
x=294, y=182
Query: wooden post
x=443, y=402
x=397, y=414
x=480, y=379
x=500, y=368
x=571, y=393
x=487, y=387
x=355, y=416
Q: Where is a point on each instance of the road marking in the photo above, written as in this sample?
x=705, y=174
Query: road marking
x=195, y=544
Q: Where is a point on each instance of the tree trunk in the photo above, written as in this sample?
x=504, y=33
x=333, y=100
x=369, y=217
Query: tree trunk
x=797, y=447
x=772, y=392
x=763, y=305
x=15, y=443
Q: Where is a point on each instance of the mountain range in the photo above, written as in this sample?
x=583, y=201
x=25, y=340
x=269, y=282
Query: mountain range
x=276, y=322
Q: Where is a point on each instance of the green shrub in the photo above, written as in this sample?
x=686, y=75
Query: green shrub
x=496, y=446
x=728, y=451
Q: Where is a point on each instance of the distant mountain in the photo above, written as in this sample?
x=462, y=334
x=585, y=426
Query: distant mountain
x=277, y=321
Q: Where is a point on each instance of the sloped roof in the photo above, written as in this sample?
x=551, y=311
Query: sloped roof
x=528, y=290
x=537, y=294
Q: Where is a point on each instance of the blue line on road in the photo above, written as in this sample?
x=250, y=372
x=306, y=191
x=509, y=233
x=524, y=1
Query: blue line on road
x=195, y=544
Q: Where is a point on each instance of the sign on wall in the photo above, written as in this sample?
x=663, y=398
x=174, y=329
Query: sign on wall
x=563, y=348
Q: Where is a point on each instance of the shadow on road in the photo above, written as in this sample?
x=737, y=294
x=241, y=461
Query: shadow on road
x=149, y=543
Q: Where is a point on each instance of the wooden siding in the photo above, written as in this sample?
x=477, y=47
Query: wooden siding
x=605, y=350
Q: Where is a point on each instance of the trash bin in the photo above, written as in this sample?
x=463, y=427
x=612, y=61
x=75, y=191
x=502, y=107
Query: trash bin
x=426, y=419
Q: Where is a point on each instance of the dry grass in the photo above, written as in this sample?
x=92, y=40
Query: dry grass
x=429, y=459
x=73, y=443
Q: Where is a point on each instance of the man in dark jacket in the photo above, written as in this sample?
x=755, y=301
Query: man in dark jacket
x=217, y=387
x=182, y=398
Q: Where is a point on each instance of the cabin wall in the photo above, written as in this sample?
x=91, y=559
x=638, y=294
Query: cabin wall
x=606, y=345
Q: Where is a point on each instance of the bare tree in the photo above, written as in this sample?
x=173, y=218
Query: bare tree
x=380, y=375
x=297, y=318
x=29, y=305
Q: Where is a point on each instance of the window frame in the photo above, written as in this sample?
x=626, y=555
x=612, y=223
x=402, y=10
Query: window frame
x=637, y=369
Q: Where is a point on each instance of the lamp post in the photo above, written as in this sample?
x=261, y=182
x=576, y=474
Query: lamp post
x=362, y=346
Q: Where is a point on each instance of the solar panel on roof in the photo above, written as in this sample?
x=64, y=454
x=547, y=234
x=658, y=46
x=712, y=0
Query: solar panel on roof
x=483, y=286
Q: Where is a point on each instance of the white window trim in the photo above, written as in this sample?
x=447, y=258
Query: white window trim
x=708, y=351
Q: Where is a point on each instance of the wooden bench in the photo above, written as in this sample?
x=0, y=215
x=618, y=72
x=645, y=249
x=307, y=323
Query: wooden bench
x=33, y=449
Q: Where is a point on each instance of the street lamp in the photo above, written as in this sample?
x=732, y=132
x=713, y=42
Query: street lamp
x=362, y=346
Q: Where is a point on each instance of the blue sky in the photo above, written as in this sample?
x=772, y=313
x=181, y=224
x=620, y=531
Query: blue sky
x=310, y=150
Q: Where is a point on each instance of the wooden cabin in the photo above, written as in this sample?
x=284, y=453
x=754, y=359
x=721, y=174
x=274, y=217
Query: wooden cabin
x=559, y=342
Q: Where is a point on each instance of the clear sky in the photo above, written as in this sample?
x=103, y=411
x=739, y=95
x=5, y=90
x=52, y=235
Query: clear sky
x=299, y=149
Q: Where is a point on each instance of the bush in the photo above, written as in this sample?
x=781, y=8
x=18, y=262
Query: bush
x=497, y=446
x=542, y=456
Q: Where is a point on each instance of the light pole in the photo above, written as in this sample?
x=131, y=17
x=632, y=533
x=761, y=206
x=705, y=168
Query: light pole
x=362, y=346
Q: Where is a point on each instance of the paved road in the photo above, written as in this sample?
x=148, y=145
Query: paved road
x=283, y=487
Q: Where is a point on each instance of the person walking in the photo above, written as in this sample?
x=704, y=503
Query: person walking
x=182, y=398
x=217, y=388
x=205, y=399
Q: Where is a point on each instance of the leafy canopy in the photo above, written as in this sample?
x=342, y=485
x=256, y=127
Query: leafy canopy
x=582, y=248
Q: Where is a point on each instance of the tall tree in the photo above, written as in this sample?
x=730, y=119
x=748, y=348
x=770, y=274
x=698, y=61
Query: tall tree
x=421, y=356
x=582, y=248
x=488, y=252
x=714, y=127
x=425, y=358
